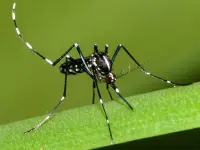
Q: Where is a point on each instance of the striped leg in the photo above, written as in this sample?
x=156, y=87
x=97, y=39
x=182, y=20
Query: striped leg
x=22, y=38
x=93, y=95
x=140, y=66
x=52, y=112
x=118, y=93
x=40, y=55
x=104, y=110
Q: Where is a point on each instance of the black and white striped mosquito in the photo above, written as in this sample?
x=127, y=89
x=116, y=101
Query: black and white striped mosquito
x=98, y=66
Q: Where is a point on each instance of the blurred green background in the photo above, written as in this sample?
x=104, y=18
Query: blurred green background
x=165, y=35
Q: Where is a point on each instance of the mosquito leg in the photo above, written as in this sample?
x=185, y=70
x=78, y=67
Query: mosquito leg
x=106, y=48
x=96, y=50
x=107, y=87
x=104, y=110
x=52, y=112
x=118, y=93
x=140, y=66
x=43, y=57
x=93, y=97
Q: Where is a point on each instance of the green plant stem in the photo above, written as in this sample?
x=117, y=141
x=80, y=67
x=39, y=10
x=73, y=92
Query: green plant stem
x=155, y=113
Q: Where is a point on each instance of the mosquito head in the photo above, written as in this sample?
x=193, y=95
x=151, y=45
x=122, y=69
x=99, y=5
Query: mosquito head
x=110, y=78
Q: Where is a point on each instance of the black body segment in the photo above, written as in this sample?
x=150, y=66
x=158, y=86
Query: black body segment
x=73, y=66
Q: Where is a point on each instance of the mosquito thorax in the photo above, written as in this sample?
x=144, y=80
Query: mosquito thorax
x=101, y=63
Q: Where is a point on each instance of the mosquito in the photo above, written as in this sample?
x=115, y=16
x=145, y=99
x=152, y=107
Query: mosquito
x=98, y=66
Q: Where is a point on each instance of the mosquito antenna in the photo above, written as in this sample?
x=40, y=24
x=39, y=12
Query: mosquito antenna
x=126, y=71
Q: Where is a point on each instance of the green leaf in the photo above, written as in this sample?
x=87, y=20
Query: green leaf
x=155, y=113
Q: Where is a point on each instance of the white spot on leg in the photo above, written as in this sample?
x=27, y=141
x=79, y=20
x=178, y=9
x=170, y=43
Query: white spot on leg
x=17, y=30
x=49, y=61
x=106, y=45
x=107, y=121
x=13, y=16
x=62, y=98
x=14, y=5
x=148, y=73
x=67, y=56
x=28, y=45
x=76, y=44
x=47, y=117
x=117, y=90
x=101, y=101
x=112, y=142
x=169, y=82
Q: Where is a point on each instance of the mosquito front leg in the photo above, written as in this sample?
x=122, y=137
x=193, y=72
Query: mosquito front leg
x=121, y=47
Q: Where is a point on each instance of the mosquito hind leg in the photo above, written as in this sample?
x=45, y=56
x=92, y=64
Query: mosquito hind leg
x=52, y=112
